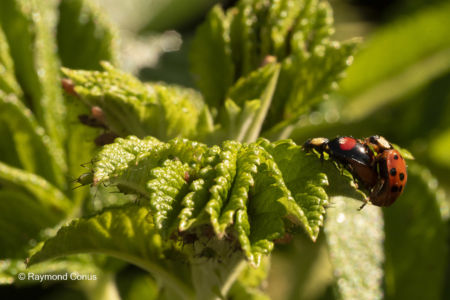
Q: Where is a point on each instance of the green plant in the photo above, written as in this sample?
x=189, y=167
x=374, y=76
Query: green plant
x=193, y=191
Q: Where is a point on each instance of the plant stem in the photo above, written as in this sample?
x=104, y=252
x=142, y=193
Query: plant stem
x=213, y=279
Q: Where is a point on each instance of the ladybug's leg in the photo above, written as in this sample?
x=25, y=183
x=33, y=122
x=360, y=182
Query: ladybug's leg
x=366, y=201
x=377, y=188
x=321, y=157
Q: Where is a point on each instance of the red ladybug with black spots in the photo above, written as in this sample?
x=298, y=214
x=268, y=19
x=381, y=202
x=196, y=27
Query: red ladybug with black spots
x=392, y=177
x=373, y=162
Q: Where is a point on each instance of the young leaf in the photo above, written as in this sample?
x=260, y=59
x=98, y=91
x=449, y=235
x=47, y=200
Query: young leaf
x=246, y=123
x=211, y=58
x=37, y=153
x=8, y=82
x=47, y=195
x=84, y=35
x=294, y=33
x=131, y=107
x=28, y=26
x=28, y=204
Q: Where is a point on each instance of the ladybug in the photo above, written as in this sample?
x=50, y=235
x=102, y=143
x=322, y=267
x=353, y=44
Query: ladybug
x=373, y=162
x=392, y=177
x=352, y=153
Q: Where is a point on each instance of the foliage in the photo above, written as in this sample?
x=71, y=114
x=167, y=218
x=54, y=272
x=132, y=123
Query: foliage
x=189, y=190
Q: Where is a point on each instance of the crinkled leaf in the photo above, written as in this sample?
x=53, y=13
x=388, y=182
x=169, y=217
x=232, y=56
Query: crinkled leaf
x=166, y=190
x=127, y=161
x=85, y=37
x=304, y=81
x=294, y=33
x=281, y=17
x=211, y=57
x=355, y=242
x=131, y=107
x=250, y=189
x=416, y=231
x=310, y=196
x=29, y=27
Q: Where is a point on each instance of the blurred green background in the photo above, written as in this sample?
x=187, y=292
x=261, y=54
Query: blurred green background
x=398, y=87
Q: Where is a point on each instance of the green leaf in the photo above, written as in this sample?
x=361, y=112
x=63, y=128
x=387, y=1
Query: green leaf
x=8, y=82
x=252, y=86
x=109, y=232
x=306, y=202
x=125, y=233
x=28, y=204
x=29, y=26
x=36, y=151
x=131, y=107
x=416, y=231
x=211, y=58
x=47, y=195
x=84, y=35
x=238, y=120
x=243, y=35
x=126, y=161
x=281, y=17
x=247, y=104
x=294, y=33
x=166, y=191
x=250, y=189
x=308, y=79
x=248, y=285
x=355, y=242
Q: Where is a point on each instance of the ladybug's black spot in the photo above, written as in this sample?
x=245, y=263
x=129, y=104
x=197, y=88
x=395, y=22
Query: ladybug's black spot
x=400, y=188
x=393, y=172
x=394, y=189
x=395, y=156
x=402, y=176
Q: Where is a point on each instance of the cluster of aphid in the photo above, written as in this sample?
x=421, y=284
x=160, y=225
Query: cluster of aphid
x=95, y=119
x=373, y=162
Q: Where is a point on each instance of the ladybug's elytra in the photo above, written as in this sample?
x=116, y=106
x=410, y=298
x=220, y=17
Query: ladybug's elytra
x=391, y=168
x=373, y=162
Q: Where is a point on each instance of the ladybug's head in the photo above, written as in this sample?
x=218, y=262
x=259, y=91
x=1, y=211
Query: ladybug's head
x=319, y=144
